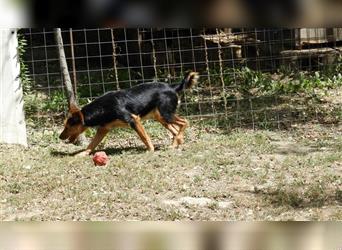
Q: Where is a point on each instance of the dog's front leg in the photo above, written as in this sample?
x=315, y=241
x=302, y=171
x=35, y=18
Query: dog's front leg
x=100, y=134
x=139, y=128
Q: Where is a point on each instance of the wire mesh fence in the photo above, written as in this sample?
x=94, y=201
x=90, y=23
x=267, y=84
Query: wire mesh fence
x=249, y=77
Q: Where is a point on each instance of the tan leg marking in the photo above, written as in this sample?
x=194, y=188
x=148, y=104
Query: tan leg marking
x=182, y=123
x=117, y=124
x=174, y=131
x=100, y=134
x=175, y=127
x=142, y=133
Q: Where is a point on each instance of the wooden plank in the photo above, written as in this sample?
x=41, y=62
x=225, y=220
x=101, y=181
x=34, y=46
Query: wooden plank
x=308, y=52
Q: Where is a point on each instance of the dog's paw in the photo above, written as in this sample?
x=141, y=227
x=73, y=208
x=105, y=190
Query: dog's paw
x=177, y=141
x=83, y=153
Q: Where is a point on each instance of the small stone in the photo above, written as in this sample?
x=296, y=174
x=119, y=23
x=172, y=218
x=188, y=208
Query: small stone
x=27, y=167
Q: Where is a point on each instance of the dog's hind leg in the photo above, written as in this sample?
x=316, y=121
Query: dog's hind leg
x=100, y=134
x=165, y=115
x=171, y=127
x=138, y=127
x=175, y=124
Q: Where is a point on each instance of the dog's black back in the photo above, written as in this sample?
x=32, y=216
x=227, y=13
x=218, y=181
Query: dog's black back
x=139, y=100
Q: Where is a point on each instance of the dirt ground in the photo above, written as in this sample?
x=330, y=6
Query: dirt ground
x=290, y=174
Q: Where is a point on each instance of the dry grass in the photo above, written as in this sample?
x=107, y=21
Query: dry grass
x=241, y=175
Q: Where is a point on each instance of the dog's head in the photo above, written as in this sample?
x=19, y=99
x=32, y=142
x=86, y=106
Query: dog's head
x=73, y=125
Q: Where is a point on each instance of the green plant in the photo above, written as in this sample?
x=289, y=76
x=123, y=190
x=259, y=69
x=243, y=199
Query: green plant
x=32, y=104
x=251, y=82
x=24, y=71
x=291, y=82
x=56, y=102
x=334, y=68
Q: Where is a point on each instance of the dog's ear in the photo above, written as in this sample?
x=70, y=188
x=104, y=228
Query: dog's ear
x=73, y=108
x=76, y=113
x=77, y=117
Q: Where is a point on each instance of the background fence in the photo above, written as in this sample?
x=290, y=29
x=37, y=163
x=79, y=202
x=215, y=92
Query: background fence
x=249, y=77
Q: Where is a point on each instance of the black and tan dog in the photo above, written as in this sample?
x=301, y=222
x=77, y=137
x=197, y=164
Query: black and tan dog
x=126, y=108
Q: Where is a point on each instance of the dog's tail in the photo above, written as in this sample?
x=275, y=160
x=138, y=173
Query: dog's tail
x=189, y=80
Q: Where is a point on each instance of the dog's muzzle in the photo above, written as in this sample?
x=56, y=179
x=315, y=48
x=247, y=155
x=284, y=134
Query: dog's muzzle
x=63, y=136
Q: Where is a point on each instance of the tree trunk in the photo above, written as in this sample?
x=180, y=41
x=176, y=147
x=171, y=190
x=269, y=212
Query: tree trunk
x=64, y=67
x=66, y=78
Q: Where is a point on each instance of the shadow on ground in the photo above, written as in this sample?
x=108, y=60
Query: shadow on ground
x=109, y=151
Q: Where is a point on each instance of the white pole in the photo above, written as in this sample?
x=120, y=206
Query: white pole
x=12, y=119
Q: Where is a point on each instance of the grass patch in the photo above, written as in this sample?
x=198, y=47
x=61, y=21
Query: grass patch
x=247, y=169
x=299, y=195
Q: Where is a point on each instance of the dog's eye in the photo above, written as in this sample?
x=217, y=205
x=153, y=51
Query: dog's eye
x=74, y=120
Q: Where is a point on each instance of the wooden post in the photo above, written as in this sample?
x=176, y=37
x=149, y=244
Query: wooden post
x=73, y=61
x=64, y=67
x=66, y=77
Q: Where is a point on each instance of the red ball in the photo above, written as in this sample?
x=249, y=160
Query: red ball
x=100, y=158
